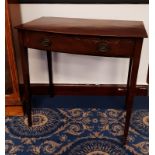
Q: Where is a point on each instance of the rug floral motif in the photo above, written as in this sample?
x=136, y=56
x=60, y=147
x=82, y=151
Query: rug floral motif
x=77, y=131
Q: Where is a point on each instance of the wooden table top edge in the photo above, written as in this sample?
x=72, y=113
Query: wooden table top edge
x=90, y=27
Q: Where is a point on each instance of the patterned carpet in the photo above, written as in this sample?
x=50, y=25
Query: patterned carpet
x=77, y=131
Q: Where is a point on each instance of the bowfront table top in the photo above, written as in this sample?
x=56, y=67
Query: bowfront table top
x=77, y=26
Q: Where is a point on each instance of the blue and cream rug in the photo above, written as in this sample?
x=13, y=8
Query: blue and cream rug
x=77, y=130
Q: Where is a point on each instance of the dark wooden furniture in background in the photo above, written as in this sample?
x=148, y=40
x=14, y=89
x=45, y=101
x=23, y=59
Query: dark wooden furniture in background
x=12, y=97
x=110, y=38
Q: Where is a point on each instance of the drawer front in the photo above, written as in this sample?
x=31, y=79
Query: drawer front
x=37, y=40
x=99, y=46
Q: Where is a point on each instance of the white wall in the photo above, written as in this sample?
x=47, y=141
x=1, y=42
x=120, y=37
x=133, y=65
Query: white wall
x=85, y=69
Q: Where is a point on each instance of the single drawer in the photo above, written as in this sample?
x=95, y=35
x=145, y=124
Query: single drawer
x=88, y=45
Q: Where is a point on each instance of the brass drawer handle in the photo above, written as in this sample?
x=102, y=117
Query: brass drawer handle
x=103, y=47
x=45, y=42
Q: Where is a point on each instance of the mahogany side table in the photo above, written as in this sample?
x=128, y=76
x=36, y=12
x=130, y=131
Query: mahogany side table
x=110, y=38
